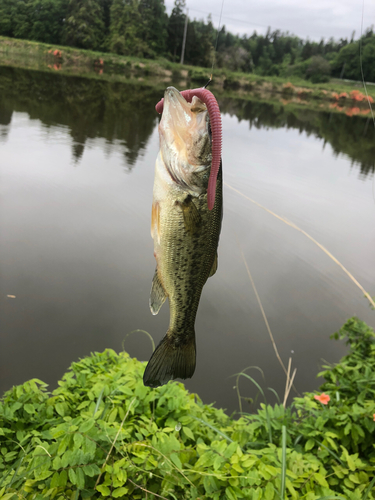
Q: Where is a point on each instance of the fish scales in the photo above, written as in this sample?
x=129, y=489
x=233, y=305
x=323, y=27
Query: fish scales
x=189, y=261
x=185, y=232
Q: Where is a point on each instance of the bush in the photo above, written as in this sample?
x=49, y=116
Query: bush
x=319, y=70
x=103, y=434
x=297, y=70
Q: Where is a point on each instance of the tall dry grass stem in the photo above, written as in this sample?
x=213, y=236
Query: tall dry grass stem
x=266, y=320
x=289, y=381
x=147, y=491
x=174, y=466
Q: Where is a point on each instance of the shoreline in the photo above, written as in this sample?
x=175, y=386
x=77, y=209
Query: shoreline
x=338, y=96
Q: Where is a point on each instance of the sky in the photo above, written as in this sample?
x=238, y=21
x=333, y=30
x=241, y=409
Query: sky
x=314, y=19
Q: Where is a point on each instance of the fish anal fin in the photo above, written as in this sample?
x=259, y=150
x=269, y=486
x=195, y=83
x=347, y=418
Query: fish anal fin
x=192, y=218
x=214, y=267
x=157, y=295
x=171, y=360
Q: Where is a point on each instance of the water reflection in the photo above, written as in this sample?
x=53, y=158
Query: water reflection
x=352, y=136
x=123, y=113
x=89, y=108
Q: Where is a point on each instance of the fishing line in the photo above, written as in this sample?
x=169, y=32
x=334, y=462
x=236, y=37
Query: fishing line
x=289, y=384
x=360, y=62
x=364, y=84
x=217, y=39
x=294, y=226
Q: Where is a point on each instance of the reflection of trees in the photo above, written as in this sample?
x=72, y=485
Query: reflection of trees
x=353, y=136
x=124, y=114
x=6, y=113
x=90, y=108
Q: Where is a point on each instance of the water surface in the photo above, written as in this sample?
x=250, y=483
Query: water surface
x=76, y=164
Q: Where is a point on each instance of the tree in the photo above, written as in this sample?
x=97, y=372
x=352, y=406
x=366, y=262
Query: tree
x=236, y=58
x=21, y=13
x=368, y=58
x=175, y=29
x=125, y=30
x=266, y=66
x=221, y=39
x=199, y=43
x=307, y=50
x=40, y=20
x=347, y=63
x=318, y=70
x=154, y=26
x=106, y=9
x=6, y=18
x=48, y=18
x=84, y=25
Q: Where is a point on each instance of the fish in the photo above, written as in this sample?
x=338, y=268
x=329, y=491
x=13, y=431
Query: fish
x=185, y=226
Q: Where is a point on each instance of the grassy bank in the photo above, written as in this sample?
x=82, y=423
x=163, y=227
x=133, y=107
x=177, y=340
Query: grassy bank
x=34, y=55
x=103, y=434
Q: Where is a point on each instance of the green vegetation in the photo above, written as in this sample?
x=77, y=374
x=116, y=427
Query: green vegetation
x=142, y=28
x=103, y=434
x=37, y=55
x=113, y=67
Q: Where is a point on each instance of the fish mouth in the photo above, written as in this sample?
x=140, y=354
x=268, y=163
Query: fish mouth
x=174, y=102
x=179, y=113
x=185, y=139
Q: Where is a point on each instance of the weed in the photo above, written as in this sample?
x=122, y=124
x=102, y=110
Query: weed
x=102, y=433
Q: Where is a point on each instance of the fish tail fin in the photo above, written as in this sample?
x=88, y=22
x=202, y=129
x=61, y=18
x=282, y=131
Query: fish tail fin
x=171, y=360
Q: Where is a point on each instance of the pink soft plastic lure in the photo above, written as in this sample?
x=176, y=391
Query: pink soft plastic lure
x=215, y=120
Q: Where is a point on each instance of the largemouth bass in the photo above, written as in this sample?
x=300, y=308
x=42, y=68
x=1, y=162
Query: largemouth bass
x=184, y=229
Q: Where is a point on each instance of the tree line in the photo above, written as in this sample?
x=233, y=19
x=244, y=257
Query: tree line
x=142, y=28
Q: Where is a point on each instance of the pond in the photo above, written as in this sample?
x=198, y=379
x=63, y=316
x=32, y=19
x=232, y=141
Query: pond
x=77, y=160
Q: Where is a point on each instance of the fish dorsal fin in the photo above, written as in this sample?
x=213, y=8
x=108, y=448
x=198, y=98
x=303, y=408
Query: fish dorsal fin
x=214, y=267
x=157, y=295
x=192, y=218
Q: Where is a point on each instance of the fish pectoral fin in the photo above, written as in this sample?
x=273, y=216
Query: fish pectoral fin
x=155, y=221
x=192, y=218
x=157, y=295
x=214, y=267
